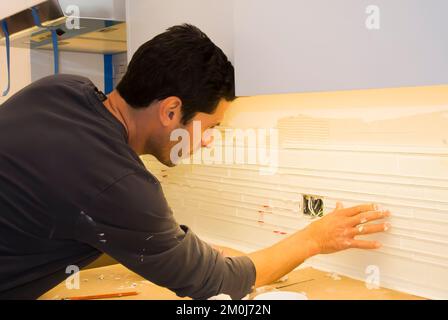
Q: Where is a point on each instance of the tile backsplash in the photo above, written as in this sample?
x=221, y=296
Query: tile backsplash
x=386, y=146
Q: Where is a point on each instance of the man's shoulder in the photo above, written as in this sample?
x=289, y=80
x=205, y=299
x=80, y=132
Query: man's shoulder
x=60, y=80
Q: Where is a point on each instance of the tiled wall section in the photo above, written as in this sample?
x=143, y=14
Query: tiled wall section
x=403, y=168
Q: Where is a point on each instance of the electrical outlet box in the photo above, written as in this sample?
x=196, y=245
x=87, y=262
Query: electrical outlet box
x=313, y=205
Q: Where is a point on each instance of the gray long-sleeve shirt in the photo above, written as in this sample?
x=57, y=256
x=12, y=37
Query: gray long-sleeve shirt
x=71, y=188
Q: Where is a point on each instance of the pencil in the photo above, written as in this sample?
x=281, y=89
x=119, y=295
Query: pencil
x=104, y=296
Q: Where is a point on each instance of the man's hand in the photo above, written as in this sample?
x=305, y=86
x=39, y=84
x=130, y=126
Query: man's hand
x=337, y=230
x=334, y=232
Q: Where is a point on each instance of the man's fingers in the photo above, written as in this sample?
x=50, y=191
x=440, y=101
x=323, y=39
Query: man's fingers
x=359, y=209
x=368, y=229
x=362, y=244
x=367, y=217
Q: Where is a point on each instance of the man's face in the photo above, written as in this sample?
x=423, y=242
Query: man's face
x=207, y=121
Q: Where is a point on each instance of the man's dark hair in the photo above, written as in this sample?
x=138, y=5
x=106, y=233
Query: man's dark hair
x=181, y=62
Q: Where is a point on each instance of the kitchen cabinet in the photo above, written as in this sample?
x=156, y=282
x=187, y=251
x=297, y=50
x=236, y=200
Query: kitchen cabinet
x=324, y=45
x=148, y=18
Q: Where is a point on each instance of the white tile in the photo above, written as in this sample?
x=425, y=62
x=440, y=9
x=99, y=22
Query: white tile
x=223, y=201
x=339, y=161
x=235, y=231
x=427, y=246
x=424, y=166
x=213, y=171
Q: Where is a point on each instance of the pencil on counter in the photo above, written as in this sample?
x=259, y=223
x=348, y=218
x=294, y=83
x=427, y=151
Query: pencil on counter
x=103, y=296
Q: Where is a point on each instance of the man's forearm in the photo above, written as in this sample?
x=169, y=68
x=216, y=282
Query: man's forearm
x=278, y=260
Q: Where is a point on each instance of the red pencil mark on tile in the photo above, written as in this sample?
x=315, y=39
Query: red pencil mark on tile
x=267, y=209
x=260, y=217
x=280, y=232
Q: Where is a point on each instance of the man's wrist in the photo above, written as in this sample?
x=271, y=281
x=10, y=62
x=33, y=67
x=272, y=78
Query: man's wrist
x=312, y=245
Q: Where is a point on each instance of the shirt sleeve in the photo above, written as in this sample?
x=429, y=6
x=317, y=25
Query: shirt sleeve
x=132, y=222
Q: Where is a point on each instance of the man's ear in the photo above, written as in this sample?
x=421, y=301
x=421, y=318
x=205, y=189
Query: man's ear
x=170, y=111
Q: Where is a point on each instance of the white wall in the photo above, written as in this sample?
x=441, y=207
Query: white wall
x=385, y=146
x=90, y=65
x=20, y=70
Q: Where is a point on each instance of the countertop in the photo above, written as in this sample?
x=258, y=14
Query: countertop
x=316, y=284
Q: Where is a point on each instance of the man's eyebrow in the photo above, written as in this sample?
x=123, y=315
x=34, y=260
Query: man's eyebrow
x=216, y=125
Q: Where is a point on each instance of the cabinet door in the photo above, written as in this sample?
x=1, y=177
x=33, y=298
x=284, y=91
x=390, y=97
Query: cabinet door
x=284, y=46
x=148, y=18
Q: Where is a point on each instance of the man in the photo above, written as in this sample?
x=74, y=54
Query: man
x=72, y=185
